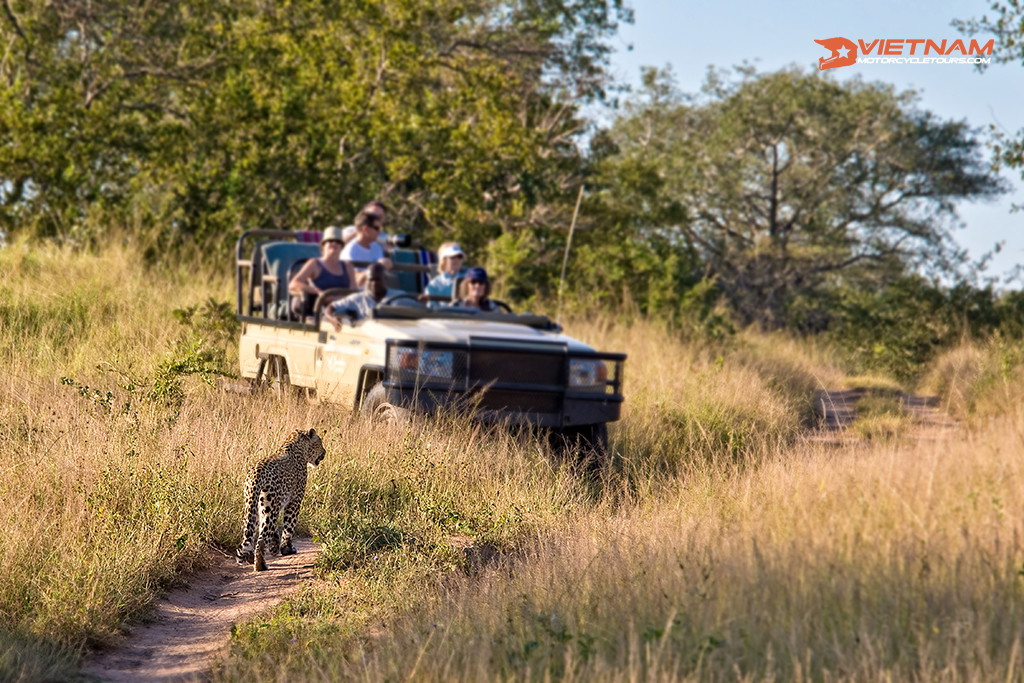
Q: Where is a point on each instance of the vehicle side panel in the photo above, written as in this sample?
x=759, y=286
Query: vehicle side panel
x=298, y=347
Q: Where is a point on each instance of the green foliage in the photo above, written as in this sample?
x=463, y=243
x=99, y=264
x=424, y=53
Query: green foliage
x=787, y=184
x=203, y=116
x=1007, y=25
x=518, y=271
x=103, y=399
x=214, y=321
x=898, y=329
x=189, y=358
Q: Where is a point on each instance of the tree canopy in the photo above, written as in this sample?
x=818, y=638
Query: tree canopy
x=206, y=116
x=1007, y=25
x=786, y=184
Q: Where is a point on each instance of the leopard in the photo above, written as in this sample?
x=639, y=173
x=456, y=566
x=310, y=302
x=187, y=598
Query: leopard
x=277, y=483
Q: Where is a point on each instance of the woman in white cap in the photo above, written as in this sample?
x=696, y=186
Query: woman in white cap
x=317, y=275
x=449, y=270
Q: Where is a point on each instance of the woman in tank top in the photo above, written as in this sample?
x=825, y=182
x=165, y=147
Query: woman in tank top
x=317, y=275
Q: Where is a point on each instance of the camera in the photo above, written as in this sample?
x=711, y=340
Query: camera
x=400, y=240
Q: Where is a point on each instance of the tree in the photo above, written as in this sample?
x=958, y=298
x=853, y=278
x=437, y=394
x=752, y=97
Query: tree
x=1007, y=25
x=787, y=184
x=206, y=116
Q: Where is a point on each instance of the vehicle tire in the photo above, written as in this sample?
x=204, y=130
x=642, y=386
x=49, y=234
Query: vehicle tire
x=276, y=376
x=376, y=408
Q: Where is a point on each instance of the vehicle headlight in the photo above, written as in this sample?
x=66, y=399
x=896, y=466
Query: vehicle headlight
x=587, y=373
x=411, y=362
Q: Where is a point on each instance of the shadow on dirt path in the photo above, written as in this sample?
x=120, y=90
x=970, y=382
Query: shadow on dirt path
x=192, y=624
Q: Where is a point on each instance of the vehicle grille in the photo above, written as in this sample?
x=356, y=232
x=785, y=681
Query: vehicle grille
x=522, y=401
x=507, y=368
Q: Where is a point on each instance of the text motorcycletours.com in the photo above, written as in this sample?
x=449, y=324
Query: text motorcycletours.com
x=924, y=60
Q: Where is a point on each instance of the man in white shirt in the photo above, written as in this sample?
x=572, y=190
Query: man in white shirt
x=365, y=248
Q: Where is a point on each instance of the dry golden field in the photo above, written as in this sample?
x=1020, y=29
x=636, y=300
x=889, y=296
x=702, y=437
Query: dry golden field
x=721, y=543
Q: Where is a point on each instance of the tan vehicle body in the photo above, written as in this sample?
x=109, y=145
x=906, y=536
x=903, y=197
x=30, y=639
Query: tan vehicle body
x=512, y=368
x=331, y=361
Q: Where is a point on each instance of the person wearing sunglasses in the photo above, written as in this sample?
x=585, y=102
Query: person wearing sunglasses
x=365, y=247
x=475, y=290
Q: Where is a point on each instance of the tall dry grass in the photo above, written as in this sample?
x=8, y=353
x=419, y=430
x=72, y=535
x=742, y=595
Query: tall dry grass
x=63, y=313
x=897, y=563
x=115, y=486
x=718, y=544
x=979, y=380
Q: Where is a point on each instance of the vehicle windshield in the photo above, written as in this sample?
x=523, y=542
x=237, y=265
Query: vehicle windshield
x=410, y=309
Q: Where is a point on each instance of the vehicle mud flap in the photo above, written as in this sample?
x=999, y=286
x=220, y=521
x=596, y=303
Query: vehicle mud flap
x=258, y=380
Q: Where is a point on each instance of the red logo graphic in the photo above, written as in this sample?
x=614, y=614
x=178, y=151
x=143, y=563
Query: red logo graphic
x=844, y=53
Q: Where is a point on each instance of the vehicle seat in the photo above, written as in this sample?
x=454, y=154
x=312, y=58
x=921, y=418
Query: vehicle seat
x=410, y=281
x=275, y=266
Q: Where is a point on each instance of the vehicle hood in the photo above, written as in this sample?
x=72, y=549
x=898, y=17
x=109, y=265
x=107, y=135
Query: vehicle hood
x=454, y=331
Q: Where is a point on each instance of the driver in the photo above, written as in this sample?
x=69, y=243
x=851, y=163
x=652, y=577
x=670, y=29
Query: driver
x=360, y=305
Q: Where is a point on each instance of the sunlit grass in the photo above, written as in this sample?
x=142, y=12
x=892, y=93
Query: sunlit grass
x=901, y=562
x=713, y=546
x=881, y=416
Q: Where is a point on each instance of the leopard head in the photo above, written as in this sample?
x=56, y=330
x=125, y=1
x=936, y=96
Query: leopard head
x=315, y=451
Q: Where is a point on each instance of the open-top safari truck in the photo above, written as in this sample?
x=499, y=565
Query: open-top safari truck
x=408, y=358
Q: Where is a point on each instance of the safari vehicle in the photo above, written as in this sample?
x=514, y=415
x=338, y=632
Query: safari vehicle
x=408, y=358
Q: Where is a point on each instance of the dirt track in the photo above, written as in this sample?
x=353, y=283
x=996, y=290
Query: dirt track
x=191, y=626
x=836, y=410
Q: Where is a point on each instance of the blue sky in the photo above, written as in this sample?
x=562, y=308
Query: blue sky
x=690, y=36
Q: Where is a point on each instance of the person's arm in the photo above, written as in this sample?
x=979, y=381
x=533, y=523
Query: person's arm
x=348, y=307
x=302, y=282
x=329, y=317
x=384, y=259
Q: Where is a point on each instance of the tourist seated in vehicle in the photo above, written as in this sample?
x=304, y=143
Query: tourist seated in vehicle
x=442, y=285
x=360, y=305
x=365, y=248
x=475, y=290
x=317, y=275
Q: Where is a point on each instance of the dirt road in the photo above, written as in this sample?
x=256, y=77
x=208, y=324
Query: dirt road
x=191, y=626
x=837, y=409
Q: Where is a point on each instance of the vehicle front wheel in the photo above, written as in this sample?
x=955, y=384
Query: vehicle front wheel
x=375, y=407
